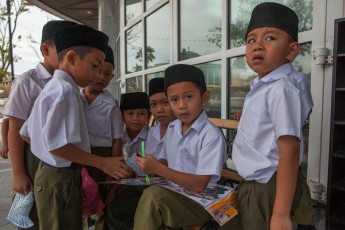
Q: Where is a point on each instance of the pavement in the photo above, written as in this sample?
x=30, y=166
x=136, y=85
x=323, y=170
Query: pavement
x=5, y=194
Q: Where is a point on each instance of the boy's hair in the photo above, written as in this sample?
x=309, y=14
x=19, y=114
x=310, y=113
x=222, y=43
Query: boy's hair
x=270, y=14
x=80, y=50
x=184, y=73
x=135, y=100
x=80, y=35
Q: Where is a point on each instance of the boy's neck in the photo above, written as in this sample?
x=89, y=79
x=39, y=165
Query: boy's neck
x=48, y=68
x=132, y=134
x=163, y=130
x=91, y=94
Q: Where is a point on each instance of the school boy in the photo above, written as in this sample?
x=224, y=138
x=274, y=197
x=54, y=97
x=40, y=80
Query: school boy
x=135, y=109
x=103, y=116
x=161, y=111
x=194, y=155
x=23, y=94
x=268, y=146
x=58, y=132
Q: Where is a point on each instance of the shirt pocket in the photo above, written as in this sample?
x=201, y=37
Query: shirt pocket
x=100, y=126
x=187, y=161
x=251, y=120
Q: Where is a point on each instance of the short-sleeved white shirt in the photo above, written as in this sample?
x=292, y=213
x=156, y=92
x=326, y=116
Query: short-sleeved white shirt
x=272, y=108
x=134, y=146
x=154, y=142
x=103, y=119
x=24, y=91
x=200, y=151
x=57, y=119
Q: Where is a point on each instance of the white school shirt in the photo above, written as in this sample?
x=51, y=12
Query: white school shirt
x=134, y=146
x=57, y=119
x=24, y=91
x=272, y=108
x=103, y=119
x=200, y=151
x=154, y=142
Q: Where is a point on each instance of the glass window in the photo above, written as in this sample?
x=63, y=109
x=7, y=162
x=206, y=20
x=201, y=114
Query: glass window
x=134, y=9
x=240, y=11
x=150, y=3
x=157, y=38
x=134, y=44
x=134, y=84
x=151, y=76
x=200, y=27
x=212, y=72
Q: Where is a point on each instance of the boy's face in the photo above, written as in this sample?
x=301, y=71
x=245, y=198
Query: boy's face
x=135, y=119
x=105, y=75
x=50, y=56
x=186, y=101
x=267, y=48
x=85, y=70
x=160, y=108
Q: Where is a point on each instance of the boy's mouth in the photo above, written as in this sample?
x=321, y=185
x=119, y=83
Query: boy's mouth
x=257, y=59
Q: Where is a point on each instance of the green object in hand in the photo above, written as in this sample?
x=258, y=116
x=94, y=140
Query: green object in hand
x=143, y=155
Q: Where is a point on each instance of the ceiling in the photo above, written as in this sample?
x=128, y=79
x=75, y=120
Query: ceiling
x=82, y=11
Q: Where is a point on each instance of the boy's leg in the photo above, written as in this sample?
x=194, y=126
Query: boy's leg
x=256, y=202
x=58, y=195
x=304, y=214
x=120, y=211
x=31, y=164
x=161, y=208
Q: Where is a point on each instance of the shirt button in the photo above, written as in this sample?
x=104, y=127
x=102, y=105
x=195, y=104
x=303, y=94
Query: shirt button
x=39, y=189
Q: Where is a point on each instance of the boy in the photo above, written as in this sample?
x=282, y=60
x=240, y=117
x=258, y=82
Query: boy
x=59, y=137
x=267, y=148
x=135, y=109
x=23, y=94
x=160, y=109
x=103, y=116
x=194, y=155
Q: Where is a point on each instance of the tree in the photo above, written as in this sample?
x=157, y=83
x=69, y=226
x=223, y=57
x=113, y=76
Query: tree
x=17, y=8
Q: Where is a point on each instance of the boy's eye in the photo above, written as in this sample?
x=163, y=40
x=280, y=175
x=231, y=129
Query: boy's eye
x=173, y=100
x=165, y=102
x=251, y=41
x=94, y=65
x=269, y=38
x=153, y=105
x=188, y=97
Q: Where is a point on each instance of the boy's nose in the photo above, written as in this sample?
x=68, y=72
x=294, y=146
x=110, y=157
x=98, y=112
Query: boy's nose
x=182, y=104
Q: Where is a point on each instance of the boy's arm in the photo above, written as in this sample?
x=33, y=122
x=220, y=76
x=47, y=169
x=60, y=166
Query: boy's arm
x=193, y=182
x=21, y=181
x=4, y=134
x=113, y=166
x=117, y=148
x=286, y=182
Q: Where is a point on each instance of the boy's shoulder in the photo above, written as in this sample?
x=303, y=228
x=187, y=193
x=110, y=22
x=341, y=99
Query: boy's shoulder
x=108, y=98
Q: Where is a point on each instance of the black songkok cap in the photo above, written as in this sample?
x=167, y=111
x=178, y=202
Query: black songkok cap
x=51, y=27
x=156, y=85
x=274, y=15
x=109, y=56
x=80, y=35
x=134, y=100
x=182, y=73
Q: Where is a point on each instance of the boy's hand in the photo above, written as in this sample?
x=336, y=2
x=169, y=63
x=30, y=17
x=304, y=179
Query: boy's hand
x=280, y=222
x=22, y=184
x=115, y=167
x=4, y=151
x=149, y=164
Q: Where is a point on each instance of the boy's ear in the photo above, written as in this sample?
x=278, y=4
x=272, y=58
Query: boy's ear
x=206, y=97
x=44, y=49
x=71, y=56
x=294, y=49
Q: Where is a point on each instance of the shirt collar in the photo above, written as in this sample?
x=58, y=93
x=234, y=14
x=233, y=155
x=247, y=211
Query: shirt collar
x=42, y=72
x=142, y=135
x=62, y=74
x=105, y=96
x=275, y=75
x=197, y=125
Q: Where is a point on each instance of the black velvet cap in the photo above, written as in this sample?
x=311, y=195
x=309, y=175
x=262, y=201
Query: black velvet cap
x=272, y=14
x=182, y=73
x=51, y=27
x=80, y=35
x=109, y=56
x=156, y=85
x=134, y=100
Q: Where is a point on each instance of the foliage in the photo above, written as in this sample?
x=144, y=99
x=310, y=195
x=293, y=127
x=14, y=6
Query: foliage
x=17, y=8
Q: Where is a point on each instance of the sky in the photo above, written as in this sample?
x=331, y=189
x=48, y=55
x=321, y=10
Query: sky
x=29, y=23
